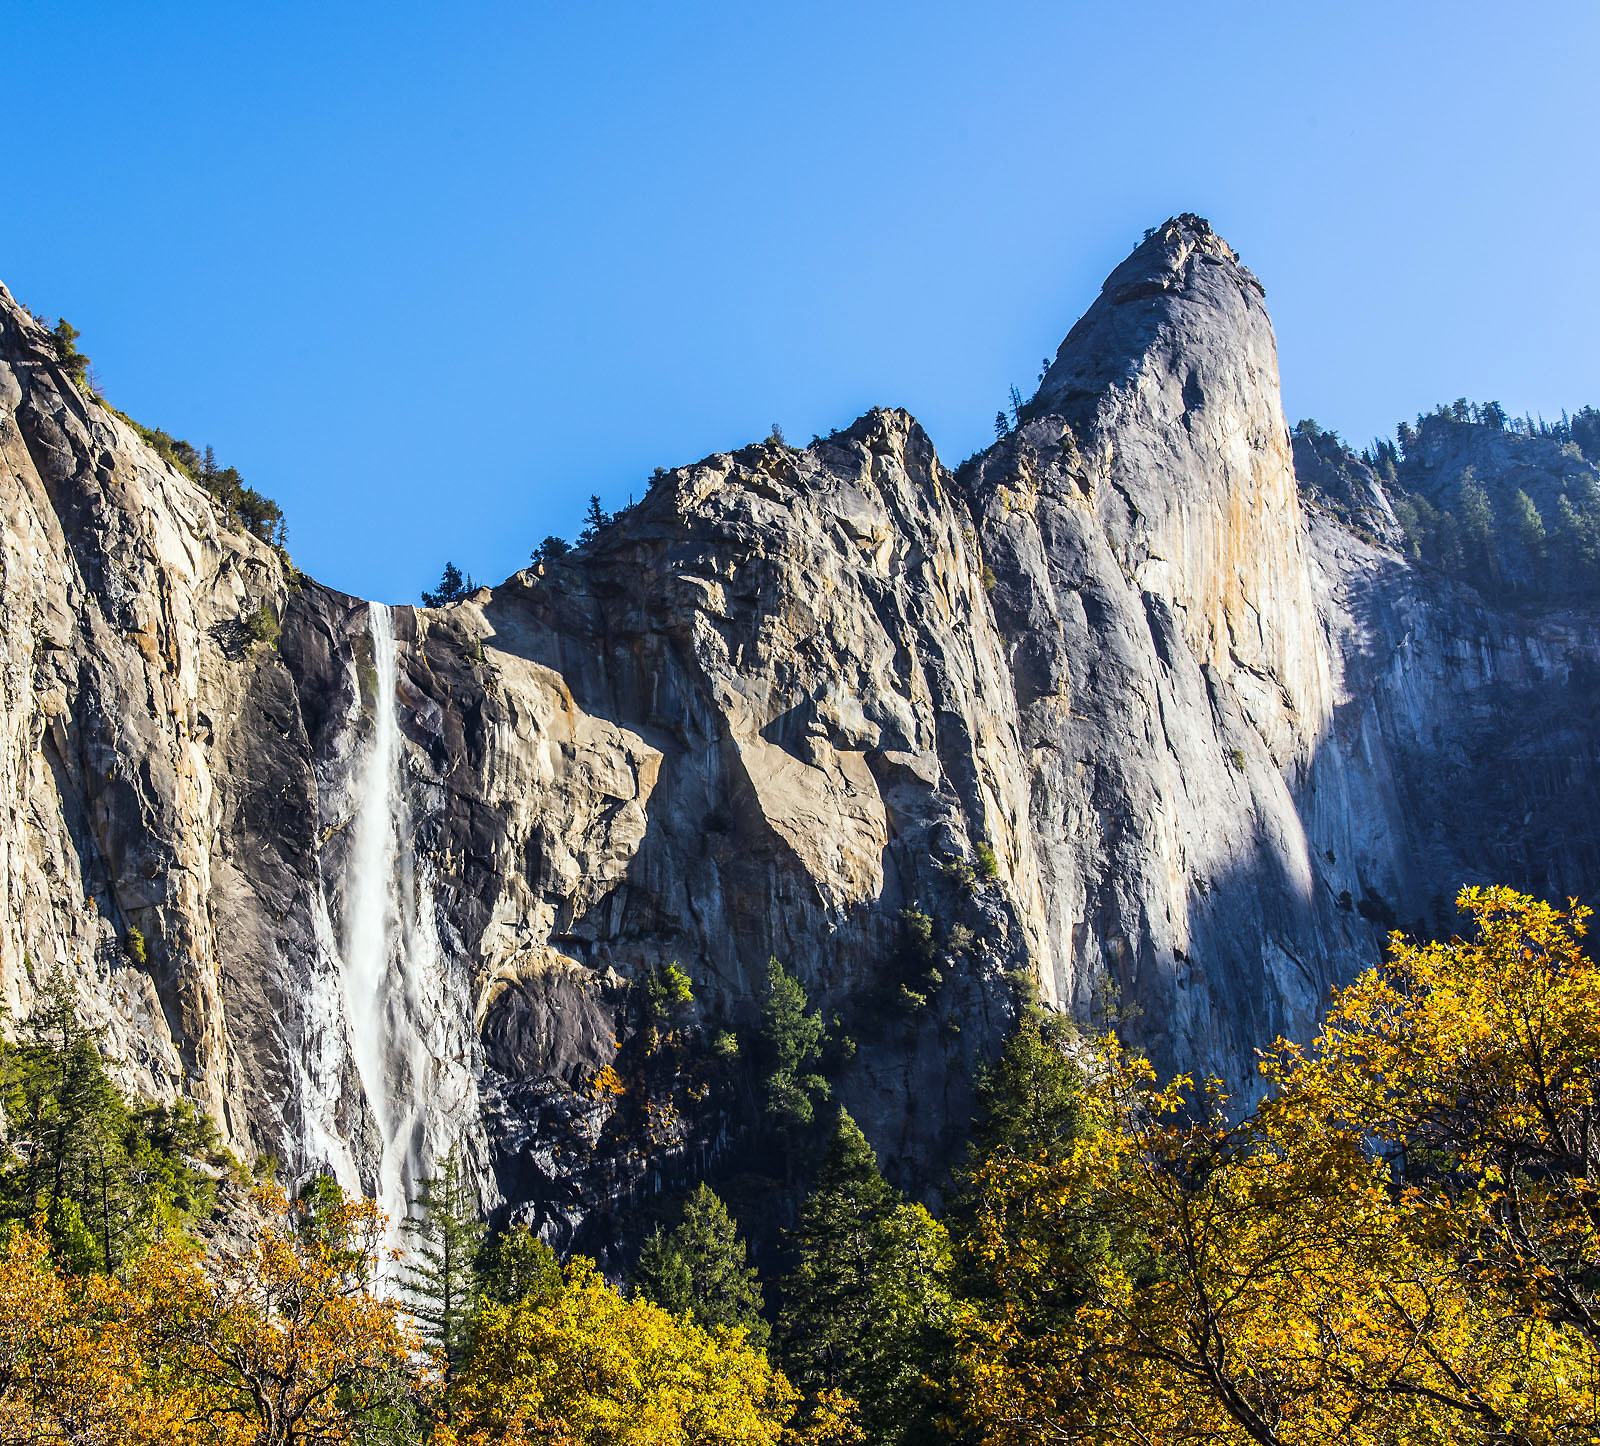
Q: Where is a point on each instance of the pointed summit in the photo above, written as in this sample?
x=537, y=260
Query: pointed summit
x=1182, y=286
x=1169, y=383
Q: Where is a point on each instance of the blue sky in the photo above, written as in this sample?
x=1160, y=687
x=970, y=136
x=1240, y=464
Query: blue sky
x=432, y=274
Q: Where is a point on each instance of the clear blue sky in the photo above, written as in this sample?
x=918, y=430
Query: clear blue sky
x=429, y=274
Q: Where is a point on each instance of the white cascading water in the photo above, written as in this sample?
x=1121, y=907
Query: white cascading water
x=375, y=1002
x=385, y=996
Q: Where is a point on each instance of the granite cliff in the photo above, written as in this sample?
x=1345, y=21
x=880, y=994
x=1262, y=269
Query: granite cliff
x=1134, y=718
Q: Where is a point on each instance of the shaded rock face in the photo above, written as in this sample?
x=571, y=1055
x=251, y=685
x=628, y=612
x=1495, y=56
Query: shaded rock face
x=1216, y=731
x=1540, y=466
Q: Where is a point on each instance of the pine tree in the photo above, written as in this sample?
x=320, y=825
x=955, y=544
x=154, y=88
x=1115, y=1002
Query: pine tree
x=791, y=1042
x=701, y=1267
x=662, y=1274
x=594, y=520
x=73, y=362
x=1478, y=526
x=514, y=1265
x=452, y=588
x=550, y=549
x=1032, y=1100
x=1032, y=1111
x=827, y=1321
x=1001, y=426
x=258, y=514
x=1529, y=531
x=867, y=1308
x=1586, y=432
x=108, y=1174
x=445, y=1234
x=77, y=1173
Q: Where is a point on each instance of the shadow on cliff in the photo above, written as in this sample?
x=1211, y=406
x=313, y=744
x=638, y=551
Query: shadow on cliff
x=1485, y=724
x=1465, y=751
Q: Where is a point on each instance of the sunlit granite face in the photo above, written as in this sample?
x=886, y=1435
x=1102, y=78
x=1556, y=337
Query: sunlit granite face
x=400, y=875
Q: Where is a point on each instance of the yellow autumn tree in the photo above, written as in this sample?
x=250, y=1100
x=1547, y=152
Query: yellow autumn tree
x=281, y=1343
x=284, y=1342
x=1349, y=1263
x=1476, y=1062
x=587, y=1365
x=1212, y=1272
x=71, y=1367
x=1472, y=1067
x=581, y=1365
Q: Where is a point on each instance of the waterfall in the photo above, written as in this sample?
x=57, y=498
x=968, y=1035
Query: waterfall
x=384, y=995
x=383, y=1046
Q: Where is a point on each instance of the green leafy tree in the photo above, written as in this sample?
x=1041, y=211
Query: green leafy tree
x=75, y=1170
x=1577, y=536
x=260, y=516
x=1032, y=1110
x=1585, y=429
x=107, y=1175
x=1530, y=543
x=1528, y=522
x=242, y=507
x=441, y=1271
x=1478, y=524
x=172, y=450
x=666, y=989
x=1031, y=1101
x=791, y=1044
x=1450, y=542
x=917, y=974
x=550, y=549
x=702, y=1268
x=867, y=1309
